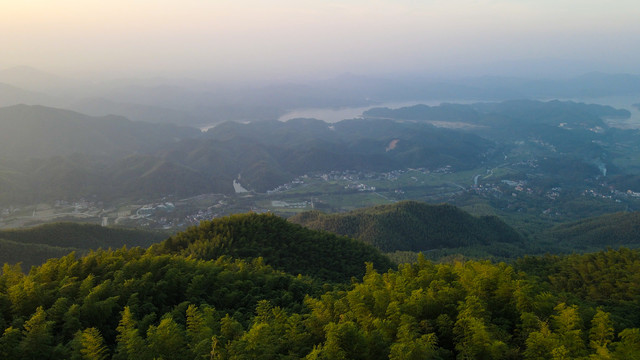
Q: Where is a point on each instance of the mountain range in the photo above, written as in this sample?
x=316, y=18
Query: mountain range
x=202, y=103
x=113, y=157
x=128, y=159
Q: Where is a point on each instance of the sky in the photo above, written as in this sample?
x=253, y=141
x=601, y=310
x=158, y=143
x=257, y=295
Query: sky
x=279, y=39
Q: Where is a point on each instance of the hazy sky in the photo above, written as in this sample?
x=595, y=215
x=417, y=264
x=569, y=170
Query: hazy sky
x=293, y=38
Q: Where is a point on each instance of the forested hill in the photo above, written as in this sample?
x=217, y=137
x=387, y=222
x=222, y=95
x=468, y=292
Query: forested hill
x=33, y=246
x=412, y=226
x=614, y=230
x=525, y=111
x=283, y=245
x=83, y=236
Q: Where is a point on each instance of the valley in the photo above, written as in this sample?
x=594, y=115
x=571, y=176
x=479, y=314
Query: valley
x=561, y=162
x=530, y=205
x=509, y=189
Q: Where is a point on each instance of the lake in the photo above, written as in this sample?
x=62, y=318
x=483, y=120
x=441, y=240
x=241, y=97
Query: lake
x=332, y=115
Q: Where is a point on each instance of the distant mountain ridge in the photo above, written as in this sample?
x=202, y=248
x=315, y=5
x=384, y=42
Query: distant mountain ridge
x=39, y=131
x=199, y=102
x=136, y=112
x=30, y=78
x=523, y=111
x=412, y=226
x=12, y=95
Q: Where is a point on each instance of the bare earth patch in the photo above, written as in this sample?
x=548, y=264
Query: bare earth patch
x=392, y=145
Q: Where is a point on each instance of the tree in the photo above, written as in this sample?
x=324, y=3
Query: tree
x=130, y=345
x=567, y=327
x=601, y=333
x=410, y=345
x=90, y=345
x=540, y=344
x=629, y=346
x=344, y=341
x=199, y=332
x=167, y=340
x=230, y=329
x=474, y=339
x=9, y=343
x=37, y=341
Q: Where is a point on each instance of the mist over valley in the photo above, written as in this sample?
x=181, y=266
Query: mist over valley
x=335, y=180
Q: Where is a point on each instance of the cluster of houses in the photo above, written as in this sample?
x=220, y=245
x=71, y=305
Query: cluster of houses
x=292, y=205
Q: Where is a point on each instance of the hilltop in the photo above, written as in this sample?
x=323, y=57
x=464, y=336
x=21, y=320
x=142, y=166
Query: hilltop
x=412, y=226
x=283, y=245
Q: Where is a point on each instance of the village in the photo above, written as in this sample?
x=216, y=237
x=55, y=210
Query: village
x=327, y=192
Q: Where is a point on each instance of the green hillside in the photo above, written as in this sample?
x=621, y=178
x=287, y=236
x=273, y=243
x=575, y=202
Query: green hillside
x=412, y=226
x=612, y=230
x=29, y=254
x=281, y=244
x=33, y=246
x=147, y=176
x=82, y=236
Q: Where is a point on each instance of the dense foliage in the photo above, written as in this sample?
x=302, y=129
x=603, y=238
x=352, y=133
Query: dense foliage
x=608, y=278
x=50, y=312
x=126, y=304
x=413, y=226
x=281, y=244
